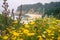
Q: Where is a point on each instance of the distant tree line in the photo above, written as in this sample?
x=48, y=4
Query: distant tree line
x=53, y=9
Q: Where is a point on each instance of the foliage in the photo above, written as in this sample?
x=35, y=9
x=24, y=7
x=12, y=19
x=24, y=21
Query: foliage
x=2, y=22
x=40, y=29
x=53, y=8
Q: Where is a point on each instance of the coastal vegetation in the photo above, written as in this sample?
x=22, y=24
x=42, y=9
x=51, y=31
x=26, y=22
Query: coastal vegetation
x=41, y=28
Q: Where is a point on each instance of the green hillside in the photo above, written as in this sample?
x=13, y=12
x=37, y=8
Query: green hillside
x=36, y=7
x=52, y=8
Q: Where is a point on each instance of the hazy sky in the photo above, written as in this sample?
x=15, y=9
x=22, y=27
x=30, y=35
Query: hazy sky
x=15, y=3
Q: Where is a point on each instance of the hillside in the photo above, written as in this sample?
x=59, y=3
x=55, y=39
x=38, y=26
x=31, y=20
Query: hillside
x=39, y=7
x=35, y=7
x=52, y=8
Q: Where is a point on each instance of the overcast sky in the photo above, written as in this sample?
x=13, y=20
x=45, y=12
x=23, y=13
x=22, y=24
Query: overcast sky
x=15, y=3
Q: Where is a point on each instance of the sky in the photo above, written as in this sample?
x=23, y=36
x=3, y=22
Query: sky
x=13, y=4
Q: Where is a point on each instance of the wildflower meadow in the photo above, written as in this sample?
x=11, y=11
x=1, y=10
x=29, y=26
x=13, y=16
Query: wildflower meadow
x=39, y=29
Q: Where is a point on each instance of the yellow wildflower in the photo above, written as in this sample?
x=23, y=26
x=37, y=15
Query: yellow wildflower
x=52, y=34
x=57, y=20
x=40, y=37
x=54, y=22
x=5, y=37
x=15, y=33
x=30, y=34
x=26, y=31
x=52, y=27
x=26, y=26
x=49, y=31
x=21, y=39
x=43, y=36
x=49, y=34
x=47, y=39
x=59, y=38
x=52, y=37
x=59, y=30
x=13, y=37
x=32, y=22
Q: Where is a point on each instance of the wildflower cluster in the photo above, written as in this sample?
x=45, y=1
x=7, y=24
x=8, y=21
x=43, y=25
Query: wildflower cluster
x=40, y=29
